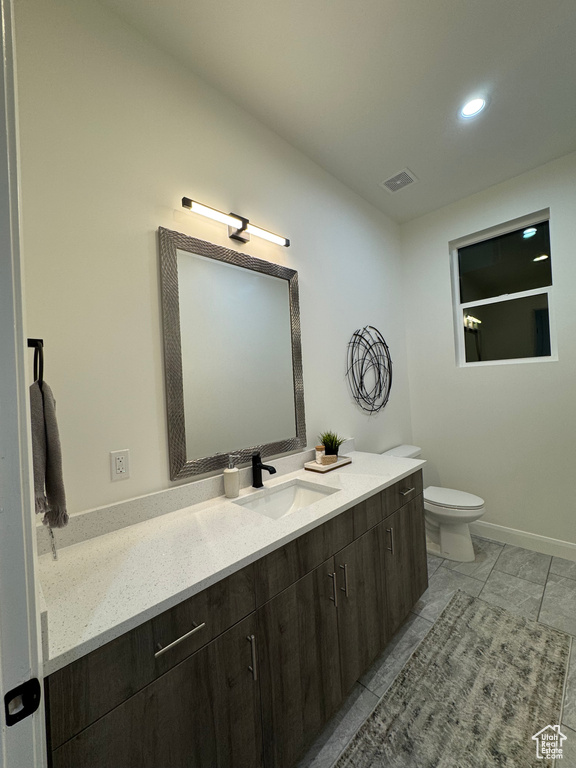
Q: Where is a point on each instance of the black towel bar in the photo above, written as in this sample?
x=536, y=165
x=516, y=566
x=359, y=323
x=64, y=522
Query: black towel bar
x=38, y=345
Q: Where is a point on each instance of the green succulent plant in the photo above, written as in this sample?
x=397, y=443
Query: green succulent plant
x=330, y=441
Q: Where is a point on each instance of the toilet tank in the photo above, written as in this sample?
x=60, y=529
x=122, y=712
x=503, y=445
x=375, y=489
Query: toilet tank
x=404, y=451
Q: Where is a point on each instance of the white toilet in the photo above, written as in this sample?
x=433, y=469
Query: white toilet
x=447, y=514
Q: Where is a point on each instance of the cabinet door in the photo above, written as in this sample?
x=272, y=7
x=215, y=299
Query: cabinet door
x=362, y=620
x=398, y=560
x=418, y=563
x=299, y=665
x=203, y=713
x=406, y=572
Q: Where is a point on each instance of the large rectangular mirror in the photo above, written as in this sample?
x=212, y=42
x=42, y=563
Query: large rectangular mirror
x=232, y=355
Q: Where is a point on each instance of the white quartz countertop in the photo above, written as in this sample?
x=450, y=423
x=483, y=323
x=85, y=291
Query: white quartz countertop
x=105, y=586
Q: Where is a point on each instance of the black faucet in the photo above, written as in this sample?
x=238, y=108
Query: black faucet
x=257, y=468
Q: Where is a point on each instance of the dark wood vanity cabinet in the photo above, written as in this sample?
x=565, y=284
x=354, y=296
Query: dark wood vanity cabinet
x=299, y=665
x=93, y=685
x=406, y=573
x=204, y=712
x=282, y=643
x=316, y=638
x=381, y=576
x=320, y=634
x=362, y=622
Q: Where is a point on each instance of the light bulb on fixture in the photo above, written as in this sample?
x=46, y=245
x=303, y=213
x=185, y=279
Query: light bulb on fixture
x=265, y=235
x=530, y=232
x=471, y=322
x=239, y=228
x=210, y=213
x=472, y=108
x=543, y=257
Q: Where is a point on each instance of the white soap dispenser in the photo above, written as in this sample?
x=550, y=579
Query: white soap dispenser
x=231, y=478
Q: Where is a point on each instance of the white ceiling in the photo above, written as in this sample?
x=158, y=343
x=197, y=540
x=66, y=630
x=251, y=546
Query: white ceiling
x=370, y=87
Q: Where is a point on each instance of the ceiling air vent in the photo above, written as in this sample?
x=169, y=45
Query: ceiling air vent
x=399, y=181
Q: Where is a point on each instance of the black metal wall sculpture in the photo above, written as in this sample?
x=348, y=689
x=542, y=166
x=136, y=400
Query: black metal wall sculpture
x=369, y=369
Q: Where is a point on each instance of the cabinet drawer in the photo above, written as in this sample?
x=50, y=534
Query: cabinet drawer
x=401, y=493
x=201, y=618
x=284, y=566
x=88, y=688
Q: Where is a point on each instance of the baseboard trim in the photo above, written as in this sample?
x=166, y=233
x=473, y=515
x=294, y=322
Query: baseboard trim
x=532, y=541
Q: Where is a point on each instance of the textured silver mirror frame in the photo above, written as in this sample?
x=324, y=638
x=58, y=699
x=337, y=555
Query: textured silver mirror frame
x=180, y=466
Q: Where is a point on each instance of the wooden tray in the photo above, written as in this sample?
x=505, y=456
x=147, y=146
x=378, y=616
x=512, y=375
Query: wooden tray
x=313, y=467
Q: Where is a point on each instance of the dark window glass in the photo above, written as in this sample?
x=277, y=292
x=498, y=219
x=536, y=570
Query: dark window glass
x=507, y=330
x=505, y=264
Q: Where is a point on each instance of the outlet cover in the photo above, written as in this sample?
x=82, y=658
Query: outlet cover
x=120, y=465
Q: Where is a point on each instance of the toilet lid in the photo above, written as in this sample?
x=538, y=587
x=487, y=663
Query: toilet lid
x=447, y=497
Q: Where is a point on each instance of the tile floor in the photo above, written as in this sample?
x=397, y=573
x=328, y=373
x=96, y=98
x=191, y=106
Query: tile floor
x=527, y=583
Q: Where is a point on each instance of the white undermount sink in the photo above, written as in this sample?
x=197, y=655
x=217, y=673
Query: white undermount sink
x=281, y=500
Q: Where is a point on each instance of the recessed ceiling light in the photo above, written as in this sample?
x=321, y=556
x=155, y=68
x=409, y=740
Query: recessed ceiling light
x=541, y=258
x=473, y=108
x=530, y=232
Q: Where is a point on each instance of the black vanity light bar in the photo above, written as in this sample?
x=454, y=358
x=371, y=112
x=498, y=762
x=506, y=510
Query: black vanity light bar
x=239, y=228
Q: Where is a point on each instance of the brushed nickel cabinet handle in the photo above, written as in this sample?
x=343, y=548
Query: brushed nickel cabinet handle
x=161, y=650
x=407, y=491
x=391, y=532
x=254, y=668
x=334, y=589
x=345, y=587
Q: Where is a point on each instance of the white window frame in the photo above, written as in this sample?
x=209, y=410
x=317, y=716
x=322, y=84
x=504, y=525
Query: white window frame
x=458, y=307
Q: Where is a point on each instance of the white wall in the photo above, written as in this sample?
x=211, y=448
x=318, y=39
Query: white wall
x=113, y=134
x=504, y=432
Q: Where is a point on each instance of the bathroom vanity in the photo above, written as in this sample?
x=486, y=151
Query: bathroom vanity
x=245, y=671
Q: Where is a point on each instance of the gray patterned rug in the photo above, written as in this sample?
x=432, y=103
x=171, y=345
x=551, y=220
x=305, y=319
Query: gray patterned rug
x=479, y=686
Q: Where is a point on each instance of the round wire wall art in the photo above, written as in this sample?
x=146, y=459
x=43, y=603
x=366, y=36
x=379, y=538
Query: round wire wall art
x=369, y=371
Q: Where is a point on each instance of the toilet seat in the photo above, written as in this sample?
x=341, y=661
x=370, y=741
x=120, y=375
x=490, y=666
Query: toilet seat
x=448, y=498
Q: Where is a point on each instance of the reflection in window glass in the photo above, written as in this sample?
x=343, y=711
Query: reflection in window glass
x=509, y=263
x=505, y=330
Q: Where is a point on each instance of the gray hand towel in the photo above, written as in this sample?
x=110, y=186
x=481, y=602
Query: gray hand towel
x=50, y=498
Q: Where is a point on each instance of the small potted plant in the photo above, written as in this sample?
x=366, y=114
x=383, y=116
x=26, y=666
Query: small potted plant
x=331, y=443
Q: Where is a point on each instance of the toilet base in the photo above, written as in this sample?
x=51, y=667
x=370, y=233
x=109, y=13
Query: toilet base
x=452, y=542
x=432, y=548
